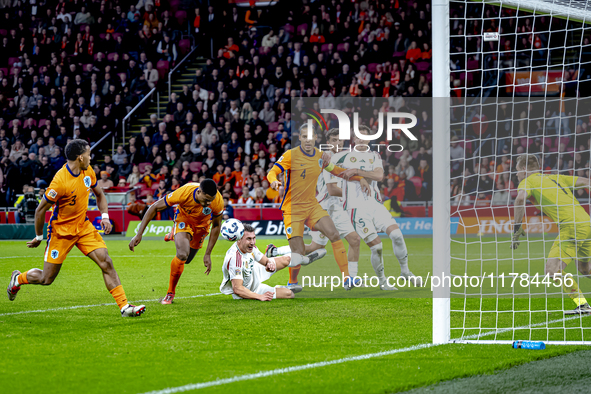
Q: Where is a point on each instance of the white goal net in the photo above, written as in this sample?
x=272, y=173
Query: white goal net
x=518, y=77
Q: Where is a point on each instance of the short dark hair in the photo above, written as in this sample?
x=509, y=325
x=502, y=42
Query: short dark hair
x=209, y=187
x=75, y=148
x=331, y=132
x=248, y=228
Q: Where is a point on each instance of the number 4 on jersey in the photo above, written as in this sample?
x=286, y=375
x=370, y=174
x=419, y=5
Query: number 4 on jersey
x=303, y=175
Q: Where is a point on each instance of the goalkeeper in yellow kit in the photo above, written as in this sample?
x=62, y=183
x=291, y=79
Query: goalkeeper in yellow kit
x=554, y=195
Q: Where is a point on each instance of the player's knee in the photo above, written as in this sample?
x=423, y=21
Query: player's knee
x=354, y=241
x=288, y=257
x=291, y=294
x=183, y=256
x=46, y=281
x=396, y=236
x=333, y=235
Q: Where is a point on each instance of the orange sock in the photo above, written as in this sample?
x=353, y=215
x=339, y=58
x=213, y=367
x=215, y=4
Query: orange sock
x=340, y=255
x=22, y=278
x=119, y=295
x=293, y=274
x=176, y=270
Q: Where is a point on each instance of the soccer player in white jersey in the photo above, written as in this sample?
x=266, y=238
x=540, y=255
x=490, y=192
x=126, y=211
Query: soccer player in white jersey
x=246, y=268
x=329, y=196
x=368, y=214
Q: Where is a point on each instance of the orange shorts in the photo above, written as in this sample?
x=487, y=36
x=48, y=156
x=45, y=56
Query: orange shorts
x=305, y=216
x=184, y=224
x=58, y=247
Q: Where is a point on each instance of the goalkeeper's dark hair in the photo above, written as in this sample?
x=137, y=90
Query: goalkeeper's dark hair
x=248, y=228
x=75, y=148
x=528, y=162
x=209, y=187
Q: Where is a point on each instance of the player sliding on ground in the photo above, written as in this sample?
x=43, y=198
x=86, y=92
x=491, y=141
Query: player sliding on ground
x=199, y=207
x=328, y=195
x=367, y=211
x=554, y=195
x=302, y=166
x=246, y=268
x=69, y=227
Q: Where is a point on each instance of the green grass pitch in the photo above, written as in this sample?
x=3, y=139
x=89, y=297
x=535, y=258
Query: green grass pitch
x=89, y=348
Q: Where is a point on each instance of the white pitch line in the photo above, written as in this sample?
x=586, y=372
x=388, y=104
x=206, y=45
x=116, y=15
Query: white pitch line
x=263, y=374
x=503, y=330
x=95, y=305
x=115, y=257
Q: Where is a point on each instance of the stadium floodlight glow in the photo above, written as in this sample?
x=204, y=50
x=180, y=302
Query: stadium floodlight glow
x=519, y=79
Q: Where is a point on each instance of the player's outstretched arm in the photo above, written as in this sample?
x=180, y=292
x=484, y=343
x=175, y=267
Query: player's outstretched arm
x=241, y=291
x=103, y=206
x=43, y=207
x=158, y=206
x=216, y=226
x=518, y=214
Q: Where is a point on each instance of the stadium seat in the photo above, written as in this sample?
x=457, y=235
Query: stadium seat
x=398, y=155
x=422, y=66
x=111, y=56
x=415, y=154
x=155, y=185
x=273, y=126
x=473, y=65
x=181, y=17
x=418, y=182
x=303, y=26
x=264, y=51
x=82, y=26
x=184, y=46
x=4, y=70
x=195, y=166
x=341, y=47
x=12, y=60
x=3, y=32
x=324, y=47
x=371, y=67
x=41, y=122
x=142, y=167
x=174, y=5
x=399, y=54
x=116, y=35
x=289, y=29
x=162, y=66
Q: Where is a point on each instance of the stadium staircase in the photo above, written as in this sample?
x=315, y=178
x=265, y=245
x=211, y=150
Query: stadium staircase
x=185, y=76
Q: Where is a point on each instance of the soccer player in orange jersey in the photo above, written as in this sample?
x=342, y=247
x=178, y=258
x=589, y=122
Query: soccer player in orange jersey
x=200, y=207
x=302, y=166
x=68, y=227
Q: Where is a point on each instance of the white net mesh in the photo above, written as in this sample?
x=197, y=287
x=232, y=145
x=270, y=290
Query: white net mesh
x=520, y=81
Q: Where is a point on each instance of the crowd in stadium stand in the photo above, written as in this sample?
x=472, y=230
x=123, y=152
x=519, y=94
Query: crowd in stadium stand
x=73, y=69
x=550, y=119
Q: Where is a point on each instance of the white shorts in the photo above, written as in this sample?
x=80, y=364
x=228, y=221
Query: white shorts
x=260, y=274
x=341, y=220
x=371, y=220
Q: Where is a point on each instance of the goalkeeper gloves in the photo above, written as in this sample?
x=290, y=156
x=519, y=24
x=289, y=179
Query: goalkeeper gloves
x=517, y=232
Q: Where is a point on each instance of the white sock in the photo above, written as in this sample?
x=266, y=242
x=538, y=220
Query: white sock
x=377, y=261
x=123, y=307
x=400, y=251
x=298, y=259
x=282, y=250
x=353, y=268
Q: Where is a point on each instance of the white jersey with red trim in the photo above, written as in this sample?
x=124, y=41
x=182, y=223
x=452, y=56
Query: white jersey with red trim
x=238, y=265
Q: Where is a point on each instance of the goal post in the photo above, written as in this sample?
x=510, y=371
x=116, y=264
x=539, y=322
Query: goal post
x=441, y=171
x=510, y=77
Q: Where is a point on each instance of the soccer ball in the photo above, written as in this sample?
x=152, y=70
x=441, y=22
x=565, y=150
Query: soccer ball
x=232, y=230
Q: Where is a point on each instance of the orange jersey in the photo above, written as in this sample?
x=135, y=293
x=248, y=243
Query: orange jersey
x=186, y=199
x=69, y=194
x=301, y=175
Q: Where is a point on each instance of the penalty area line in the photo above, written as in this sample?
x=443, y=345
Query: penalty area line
x=280, y=371
x=95, y=305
